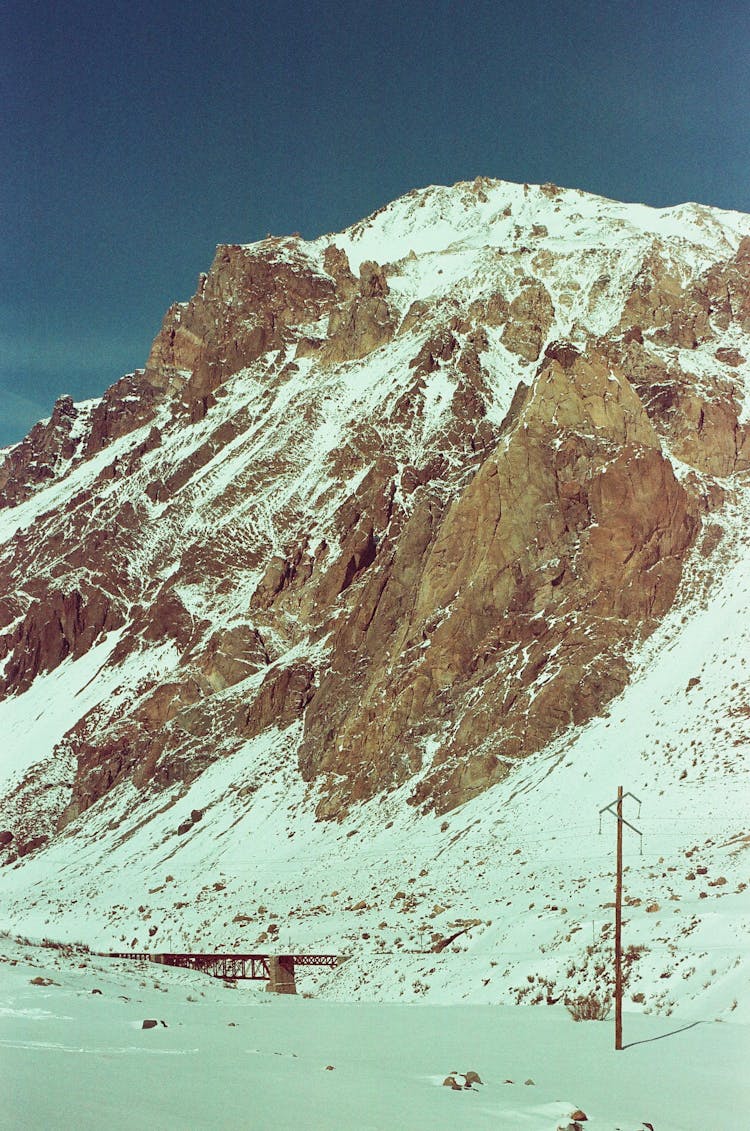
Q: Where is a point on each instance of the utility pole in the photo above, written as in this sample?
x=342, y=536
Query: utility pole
x=617, y=806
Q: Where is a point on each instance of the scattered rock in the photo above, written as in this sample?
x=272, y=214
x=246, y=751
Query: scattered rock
x=529, y=1082
x=185, y=827
x=40, y=981
x=31, y=845
x=733, y=357
x=149, y=1023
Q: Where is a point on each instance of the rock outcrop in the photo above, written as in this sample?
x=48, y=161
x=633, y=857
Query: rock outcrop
x=564, y=546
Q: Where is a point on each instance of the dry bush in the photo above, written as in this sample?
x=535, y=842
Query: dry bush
x=589, y=1007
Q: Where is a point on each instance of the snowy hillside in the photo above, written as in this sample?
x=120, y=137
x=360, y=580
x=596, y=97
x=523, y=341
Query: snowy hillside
x=524, y=865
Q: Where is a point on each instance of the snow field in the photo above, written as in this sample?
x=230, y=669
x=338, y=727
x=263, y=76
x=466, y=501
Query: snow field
x=238, y=1058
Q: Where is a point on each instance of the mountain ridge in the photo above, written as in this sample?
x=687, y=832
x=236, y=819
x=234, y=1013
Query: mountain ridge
x=397, y=522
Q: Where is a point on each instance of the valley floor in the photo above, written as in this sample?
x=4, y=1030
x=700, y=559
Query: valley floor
x=74, y=1055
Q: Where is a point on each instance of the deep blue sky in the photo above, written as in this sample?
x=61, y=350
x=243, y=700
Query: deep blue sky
x=136, y=136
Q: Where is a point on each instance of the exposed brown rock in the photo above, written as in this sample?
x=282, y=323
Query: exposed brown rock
x=23, y=848
x=685, y=313
x=41, y=456
x=127, y=405
x=336, y=264
x=232, y=655
x=372, y=280
x=244, y=307
x=612, y=522
x=497, y=310
x=698, y=420
x=283, y=696
x=530, y=317
x=361, y=324
x=657, y=298
x=415, y=316
x=729, y=356
x=66, y=624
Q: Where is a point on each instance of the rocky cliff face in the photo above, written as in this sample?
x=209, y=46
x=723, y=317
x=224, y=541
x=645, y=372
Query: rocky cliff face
x=410, y=495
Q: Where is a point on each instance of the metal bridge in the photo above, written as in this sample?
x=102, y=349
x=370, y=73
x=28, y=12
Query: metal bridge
x=276, y=969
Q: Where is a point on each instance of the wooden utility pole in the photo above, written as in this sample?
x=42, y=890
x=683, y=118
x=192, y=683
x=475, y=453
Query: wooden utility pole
x=618, y=927
x=617, y=805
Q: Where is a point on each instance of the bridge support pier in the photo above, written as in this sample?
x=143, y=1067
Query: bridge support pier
x=281, y=974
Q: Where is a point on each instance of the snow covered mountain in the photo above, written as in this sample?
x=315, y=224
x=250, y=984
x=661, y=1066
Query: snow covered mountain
x=338, y=623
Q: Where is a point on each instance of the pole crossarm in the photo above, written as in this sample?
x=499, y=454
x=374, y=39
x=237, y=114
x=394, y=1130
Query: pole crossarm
x=613, y=804
x=612, y=808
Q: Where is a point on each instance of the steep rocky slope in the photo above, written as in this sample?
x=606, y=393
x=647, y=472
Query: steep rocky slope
x=399, y=508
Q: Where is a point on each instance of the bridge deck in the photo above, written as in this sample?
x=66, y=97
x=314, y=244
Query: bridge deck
x=232, y=965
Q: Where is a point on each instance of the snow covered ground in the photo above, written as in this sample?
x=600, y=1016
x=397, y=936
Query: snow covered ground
x=241, y=1058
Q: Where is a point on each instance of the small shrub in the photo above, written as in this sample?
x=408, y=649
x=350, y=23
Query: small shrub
x=589, y=1008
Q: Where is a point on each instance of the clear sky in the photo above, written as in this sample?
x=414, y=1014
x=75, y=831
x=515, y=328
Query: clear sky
x=136, y=136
